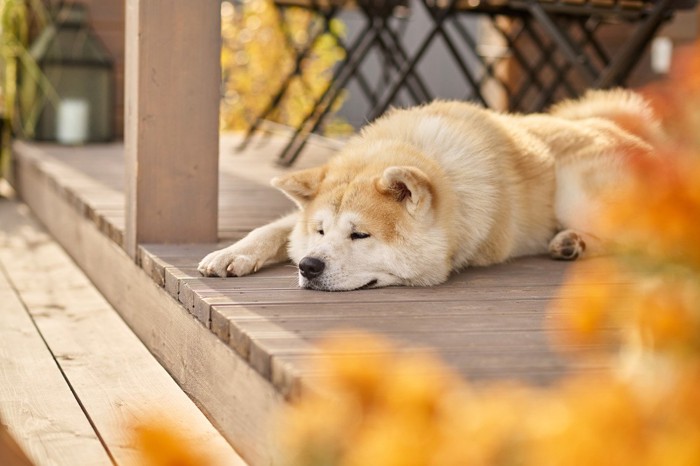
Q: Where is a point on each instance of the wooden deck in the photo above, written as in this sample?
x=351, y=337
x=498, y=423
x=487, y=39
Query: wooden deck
x=485, y=322
x=73, y=377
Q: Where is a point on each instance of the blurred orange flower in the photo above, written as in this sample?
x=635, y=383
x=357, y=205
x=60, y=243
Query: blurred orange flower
x=159, y=443
x=587, y=420
x=656, y=216
x=586, y=309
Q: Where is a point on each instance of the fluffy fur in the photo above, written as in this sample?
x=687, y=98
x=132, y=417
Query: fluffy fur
x=426, y=191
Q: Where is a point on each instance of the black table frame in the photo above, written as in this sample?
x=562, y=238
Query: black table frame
x=562, y=30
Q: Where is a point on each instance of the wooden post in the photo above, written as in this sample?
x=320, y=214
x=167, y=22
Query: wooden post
x=172, y=80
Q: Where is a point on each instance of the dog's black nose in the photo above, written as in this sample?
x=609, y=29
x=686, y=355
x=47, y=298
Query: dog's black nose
x=311, y=267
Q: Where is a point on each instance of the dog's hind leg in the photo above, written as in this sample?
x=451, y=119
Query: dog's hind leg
x=264, y=245
x=571, y=245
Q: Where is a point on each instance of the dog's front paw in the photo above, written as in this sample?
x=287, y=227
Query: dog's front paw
x=567, y=245
x=227, y=263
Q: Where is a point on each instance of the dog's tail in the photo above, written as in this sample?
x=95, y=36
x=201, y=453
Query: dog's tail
x=624, y=107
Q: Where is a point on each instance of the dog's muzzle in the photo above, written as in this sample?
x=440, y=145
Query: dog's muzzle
x=310, y=267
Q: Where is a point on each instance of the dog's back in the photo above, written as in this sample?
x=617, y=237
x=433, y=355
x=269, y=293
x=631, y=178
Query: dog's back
x=627, y=109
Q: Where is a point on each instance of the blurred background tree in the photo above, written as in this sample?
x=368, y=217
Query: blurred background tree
x=20, y=22
x=260, y=45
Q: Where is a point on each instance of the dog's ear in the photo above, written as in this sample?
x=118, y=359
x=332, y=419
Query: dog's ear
x=301, y=186
x=407, y=185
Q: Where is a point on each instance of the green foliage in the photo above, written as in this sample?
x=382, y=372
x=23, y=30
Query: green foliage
x=18, y=20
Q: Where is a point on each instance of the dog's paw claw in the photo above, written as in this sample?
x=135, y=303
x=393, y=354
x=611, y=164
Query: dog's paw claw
x=567, y=245
x=225, y=263
x=242, y=265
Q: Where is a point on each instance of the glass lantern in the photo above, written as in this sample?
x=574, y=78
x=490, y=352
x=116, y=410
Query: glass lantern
x=80, y=70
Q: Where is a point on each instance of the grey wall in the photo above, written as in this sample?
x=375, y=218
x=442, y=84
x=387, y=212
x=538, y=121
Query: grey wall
x=437, y=67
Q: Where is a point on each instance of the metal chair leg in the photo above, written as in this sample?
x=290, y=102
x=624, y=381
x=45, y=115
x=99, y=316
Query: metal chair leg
x=620, y=68
x=408, y=67
x=325, y=102
x=277, y=98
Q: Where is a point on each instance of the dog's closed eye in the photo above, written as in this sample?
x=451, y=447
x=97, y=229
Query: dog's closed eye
x=357, y=235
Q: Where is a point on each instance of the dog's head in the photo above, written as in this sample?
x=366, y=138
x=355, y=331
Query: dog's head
x=363, y=225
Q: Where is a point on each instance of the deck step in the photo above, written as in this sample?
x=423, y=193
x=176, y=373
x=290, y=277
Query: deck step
x=74, y=377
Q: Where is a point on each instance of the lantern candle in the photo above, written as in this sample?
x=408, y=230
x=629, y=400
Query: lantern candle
x=80, y=72
x=72, y=122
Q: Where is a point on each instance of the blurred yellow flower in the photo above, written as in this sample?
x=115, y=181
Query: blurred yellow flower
x=160, y=443
x=666, y=313
x=585, y=310
x=259, y=50
x=587, y=420
x=656, y=217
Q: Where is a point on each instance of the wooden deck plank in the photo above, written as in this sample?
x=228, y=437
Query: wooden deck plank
x=196, y=358
x=526, y=344
x=389, y=295
x=115, y=377
x=266, y=333
x=155, y=258
x=36, y=402
x=11, y=454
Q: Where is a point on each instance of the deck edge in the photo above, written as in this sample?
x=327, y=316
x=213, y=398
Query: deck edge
x=240, y=410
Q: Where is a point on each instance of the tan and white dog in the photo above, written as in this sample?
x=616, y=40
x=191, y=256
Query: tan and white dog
x=430, y=190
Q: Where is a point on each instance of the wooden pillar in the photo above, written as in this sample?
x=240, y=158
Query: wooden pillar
x=172, y=82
